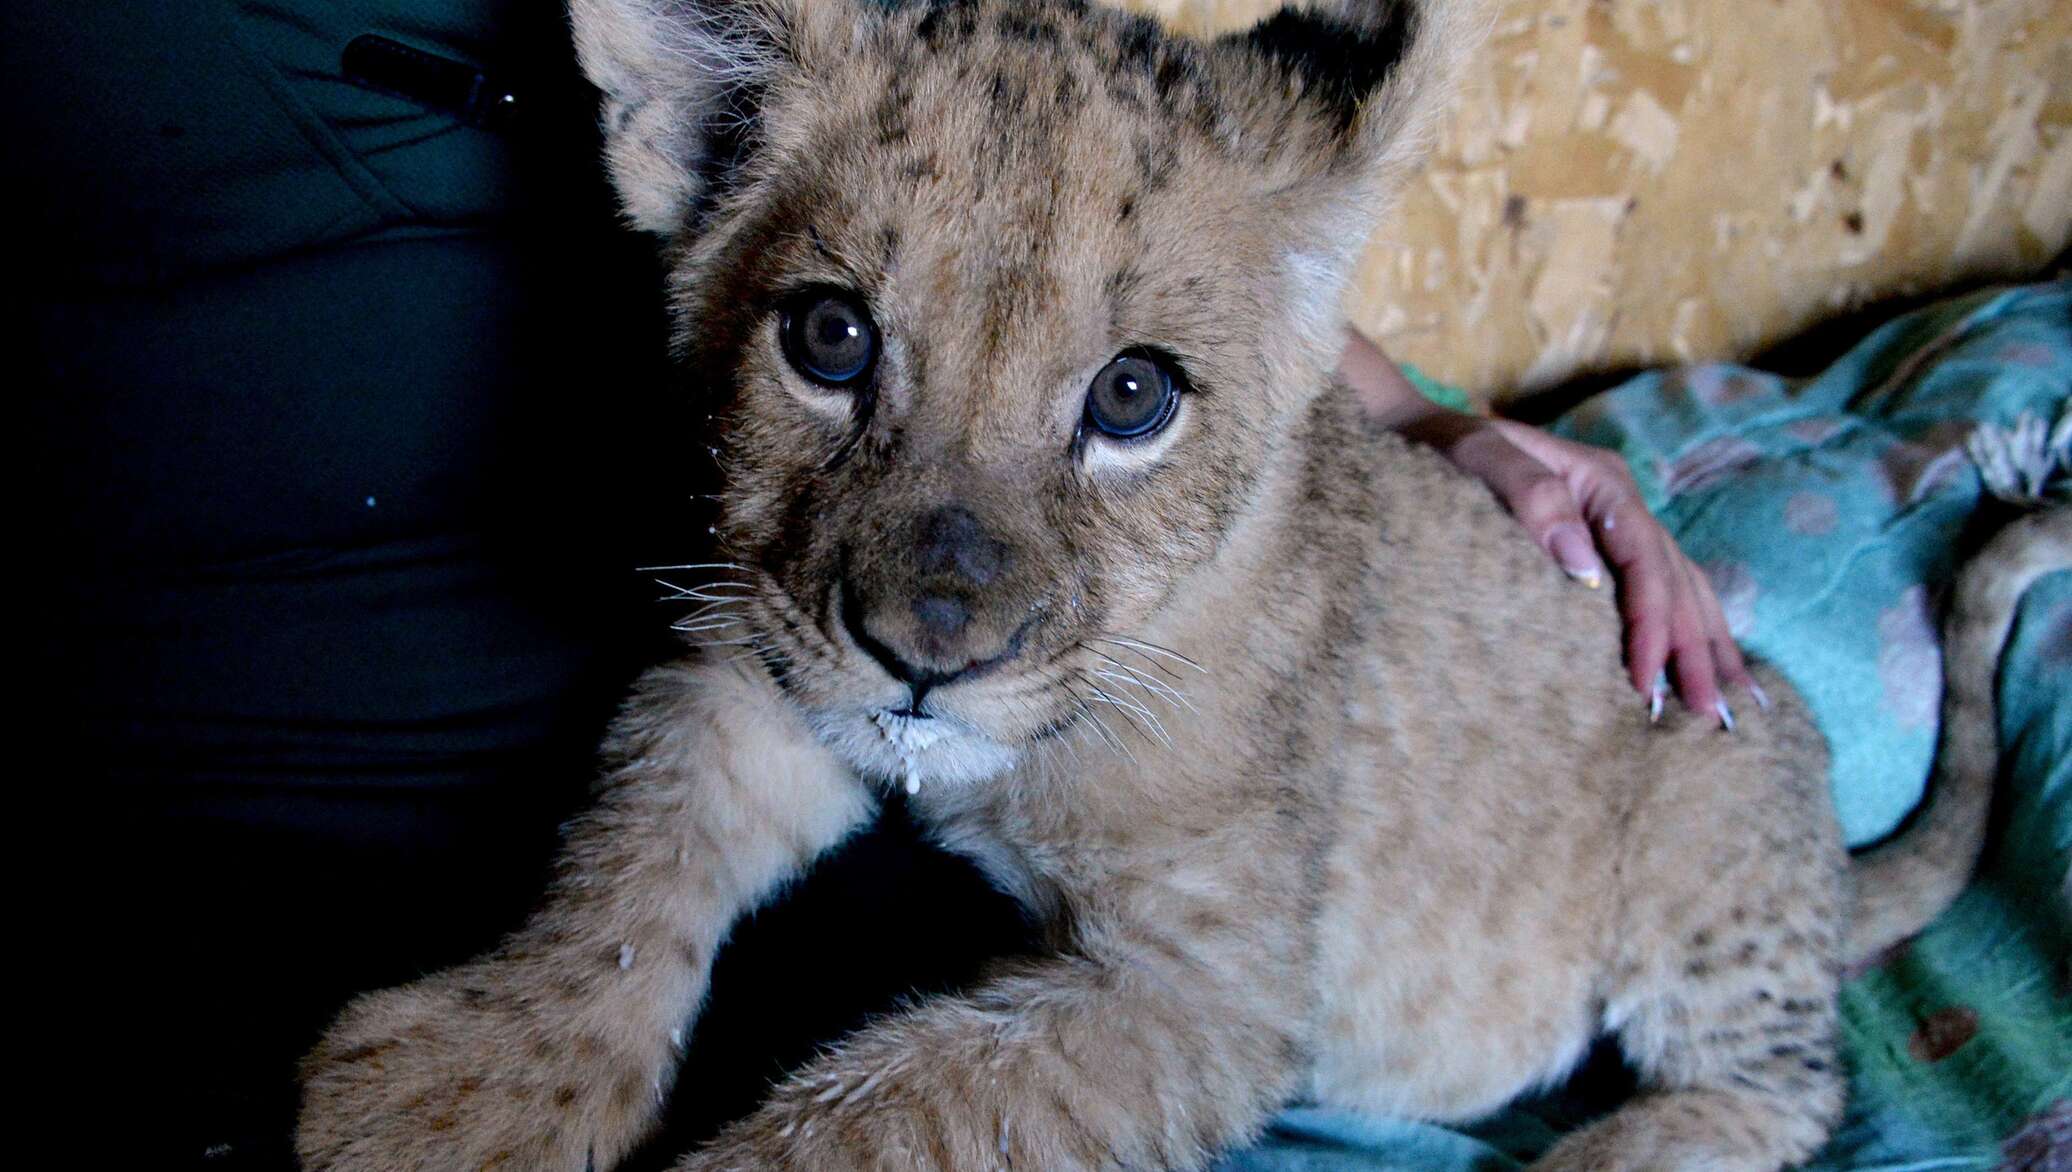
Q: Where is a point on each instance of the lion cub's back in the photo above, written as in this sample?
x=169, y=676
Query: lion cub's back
x=1492, y=747
x=1477, y=644
x=1510, y=818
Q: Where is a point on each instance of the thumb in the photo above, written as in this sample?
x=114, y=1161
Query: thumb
x=1550, y=514
x=1573, y=550
x=1542, y=501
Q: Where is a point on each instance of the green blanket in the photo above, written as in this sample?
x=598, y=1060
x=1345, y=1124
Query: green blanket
x=1832, y=514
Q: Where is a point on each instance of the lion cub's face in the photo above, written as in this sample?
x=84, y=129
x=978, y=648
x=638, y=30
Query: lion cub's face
x=1003, y=306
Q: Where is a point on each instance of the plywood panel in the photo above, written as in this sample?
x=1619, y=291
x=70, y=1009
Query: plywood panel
x=1632, y=182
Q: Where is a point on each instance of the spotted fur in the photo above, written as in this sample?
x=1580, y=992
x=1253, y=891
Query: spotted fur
x=1325, y=782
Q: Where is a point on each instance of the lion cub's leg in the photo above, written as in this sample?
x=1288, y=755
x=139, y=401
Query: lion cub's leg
x=1724, y=975
x=1172, y=1025
x=555, y=1049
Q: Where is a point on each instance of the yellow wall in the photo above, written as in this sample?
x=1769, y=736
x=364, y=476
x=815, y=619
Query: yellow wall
x=1632, y=182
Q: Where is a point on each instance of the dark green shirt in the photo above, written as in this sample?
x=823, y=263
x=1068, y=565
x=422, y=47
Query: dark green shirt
x=349, y=425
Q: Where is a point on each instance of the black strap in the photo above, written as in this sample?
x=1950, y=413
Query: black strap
x=440, y=83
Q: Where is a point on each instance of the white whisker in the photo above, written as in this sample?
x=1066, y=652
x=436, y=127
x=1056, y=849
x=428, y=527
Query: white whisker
x=1114, y=742
x=697, y=566
x=1127, y=676
x=1155, y=649
x=708, y=591
x=1130, y=711
x=1116, y=698
x=691, y=628
x=715, y=610
x=1158, y=728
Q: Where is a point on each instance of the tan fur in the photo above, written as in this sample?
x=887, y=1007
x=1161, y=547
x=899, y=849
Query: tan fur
x=1904, y=883
x=1326, y=783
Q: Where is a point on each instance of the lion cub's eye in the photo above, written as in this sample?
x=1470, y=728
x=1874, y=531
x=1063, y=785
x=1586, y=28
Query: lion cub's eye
x=1134, y=395
x=829, y=336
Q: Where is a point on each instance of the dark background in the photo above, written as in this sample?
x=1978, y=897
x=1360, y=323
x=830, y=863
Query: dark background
x=349, y=424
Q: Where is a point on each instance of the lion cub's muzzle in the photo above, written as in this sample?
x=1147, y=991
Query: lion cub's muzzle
x=939, y=601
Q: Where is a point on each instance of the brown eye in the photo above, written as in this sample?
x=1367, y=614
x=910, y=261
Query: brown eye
x=1134, y=395
x=829, y=336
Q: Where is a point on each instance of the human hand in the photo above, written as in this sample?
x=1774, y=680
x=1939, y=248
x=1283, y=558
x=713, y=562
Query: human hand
x=1579, y=502
x=1582, y=506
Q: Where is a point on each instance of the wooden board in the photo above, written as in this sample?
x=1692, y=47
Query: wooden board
x=1629, y=183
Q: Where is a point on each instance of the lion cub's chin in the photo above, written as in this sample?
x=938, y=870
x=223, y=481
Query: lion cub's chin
x=913, y=751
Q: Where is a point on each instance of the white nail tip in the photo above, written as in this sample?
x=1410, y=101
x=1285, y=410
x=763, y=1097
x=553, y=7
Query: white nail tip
x=1762, y=698
x=1590, y=578
x=1726, y=714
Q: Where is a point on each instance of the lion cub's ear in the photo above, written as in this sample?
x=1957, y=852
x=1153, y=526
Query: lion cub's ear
x=1379, y=73
x=682, y=81
x=1370, y=81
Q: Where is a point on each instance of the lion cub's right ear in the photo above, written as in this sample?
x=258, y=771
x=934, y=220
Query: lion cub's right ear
x=683, y=83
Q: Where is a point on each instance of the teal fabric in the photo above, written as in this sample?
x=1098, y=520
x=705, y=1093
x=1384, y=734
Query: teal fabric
x=1834, y=512
x=1438, y=392
x=1829, y=514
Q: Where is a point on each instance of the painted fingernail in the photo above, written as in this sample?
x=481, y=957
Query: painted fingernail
x=1655, y=703
x=1578, y=558
x=1762, y=698
x=1726, y=714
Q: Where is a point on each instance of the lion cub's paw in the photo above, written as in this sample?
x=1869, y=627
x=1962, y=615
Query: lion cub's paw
x=438, y=1075
x=1718, y=1131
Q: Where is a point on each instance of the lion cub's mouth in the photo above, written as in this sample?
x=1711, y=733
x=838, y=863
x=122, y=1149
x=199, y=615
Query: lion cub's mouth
x=910, y=734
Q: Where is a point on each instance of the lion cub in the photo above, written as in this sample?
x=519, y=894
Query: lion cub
x=1015, y=318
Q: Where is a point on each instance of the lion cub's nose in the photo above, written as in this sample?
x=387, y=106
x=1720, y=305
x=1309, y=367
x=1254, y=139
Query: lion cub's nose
x=938, y=600
x=953, y=543
x=942, y=616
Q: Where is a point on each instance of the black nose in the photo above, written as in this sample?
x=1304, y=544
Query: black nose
x=918, y=678
x=942, y=616
x=952, y=542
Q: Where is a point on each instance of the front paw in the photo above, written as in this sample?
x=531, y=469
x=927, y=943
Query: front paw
x=795, y=1137
x=855, y=1122
x=446, y=1074
x=750, y=1150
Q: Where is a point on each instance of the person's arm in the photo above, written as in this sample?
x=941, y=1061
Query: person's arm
x=1581, y=504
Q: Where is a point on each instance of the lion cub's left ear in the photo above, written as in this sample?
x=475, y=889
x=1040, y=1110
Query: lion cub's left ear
x=1366, y=83
x=1378, y=73
x=682, y=83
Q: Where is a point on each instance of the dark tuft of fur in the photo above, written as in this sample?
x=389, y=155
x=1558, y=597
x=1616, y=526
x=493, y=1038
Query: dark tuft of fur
x=945, y=21
x=1339, y=63
x=733, y=132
